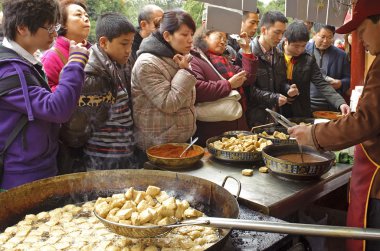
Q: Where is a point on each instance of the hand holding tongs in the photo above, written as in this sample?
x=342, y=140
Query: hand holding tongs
x=280, y=119
x=285, y=123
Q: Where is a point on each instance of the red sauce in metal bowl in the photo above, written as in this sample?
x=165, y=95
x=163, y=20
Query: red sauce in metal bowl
x=173, y=151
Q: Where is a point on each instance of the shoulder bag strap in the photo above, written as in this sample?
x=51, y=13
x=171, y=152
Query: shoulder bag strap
x=16, y=130
x=60, y=55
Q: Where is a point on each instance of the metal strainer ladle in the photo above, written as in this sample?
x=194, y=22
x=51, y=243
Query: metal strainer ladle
x=260, y=226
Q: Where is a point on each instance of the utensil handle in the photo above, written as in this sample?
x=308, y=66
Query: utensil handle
x=188, y=147
x=238, y=183
x=295, y=228
x=261, y=126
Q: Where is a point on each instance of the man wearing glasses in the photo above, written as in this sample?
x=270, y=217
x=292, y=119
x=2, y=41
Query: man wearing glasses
x=334, y=65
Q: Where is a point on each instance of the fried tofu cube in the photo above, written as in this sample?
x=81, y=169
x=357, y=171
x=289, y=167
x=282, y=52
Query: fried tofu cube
x=130, y=204
x=135, y=219
x=170, y=203
x=138, y=196
x=164, y=211
x=192, y=213
x=124, y=214
x=142, y=206
x=103, y=209
x=162, y=196
x=247, y=172
x=145, y=216
x=129, y=193
x=153, y=191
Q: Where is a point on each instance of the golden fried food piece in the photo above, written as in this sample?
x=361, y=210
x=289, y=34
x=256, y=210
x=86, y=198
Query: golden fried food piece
x=247, y=172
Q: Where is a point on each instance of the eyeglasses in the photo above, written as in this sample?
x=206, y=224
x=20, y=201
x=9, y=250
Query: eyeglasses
x=52, y=28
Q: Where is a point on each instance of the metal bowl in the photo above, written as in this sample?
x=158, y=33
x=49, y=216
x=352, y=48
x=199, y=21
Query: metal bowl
x=327, y=115
x=296, y=170
x=237, y=133
x=231, y=156
x=175, y=163
x=272, y=128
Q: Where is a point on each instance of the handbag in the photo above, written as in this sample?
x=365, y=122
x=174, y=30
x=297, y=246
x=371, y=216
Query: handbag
x=223, y=109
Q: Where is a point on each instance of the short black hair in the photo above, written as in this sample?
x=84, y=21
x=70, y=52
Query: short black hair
x=146, y=13
x=297, y=32
x=32, y=14
x=173, y=19
x=246, y=13
x=112, y=25
x=271, y=17
x=374, y=18
x=318, y=27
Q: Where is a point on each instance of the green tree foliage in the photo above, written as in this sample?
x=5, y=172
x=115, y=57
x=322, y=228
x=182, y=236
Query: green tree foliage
x=96, y=8
x=195, y=9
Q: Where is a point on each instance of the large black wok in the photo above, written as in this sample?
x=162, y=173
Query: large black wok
x=51, y=193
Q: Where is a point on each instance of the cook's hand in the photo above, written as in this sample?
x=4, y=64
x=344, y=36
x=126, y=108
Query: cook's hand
x=293, y=91
x=244, y=43
x=336, y=83
x=238, y=79
x=77, y=47
x=345, y=109
x=302, y=133
x=182, y=60
x=282, y=100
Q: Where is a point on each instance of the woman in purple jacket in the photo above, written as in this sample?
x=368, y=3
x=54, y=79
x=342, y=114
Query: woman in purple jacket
x=25, y=97
x=216, y=77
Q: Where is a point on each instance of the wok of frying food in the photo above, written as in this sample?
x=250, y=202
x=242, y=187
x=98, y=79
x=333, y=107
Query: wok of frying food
x=76, y=227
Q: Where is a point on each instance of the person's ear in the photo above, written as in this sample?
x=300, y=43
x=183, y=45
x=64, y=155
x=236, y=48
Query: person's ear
x=103, y=42
x=286, y=42
x=23, y=30
x=143, y=24
x=263, y=30
x=167, y=36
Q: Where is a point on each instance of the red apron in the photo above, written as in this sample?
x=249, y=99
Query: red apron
x=363, y=173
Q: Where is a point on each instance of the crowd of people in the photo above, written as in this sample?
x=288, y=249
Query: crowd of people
x=142, y=86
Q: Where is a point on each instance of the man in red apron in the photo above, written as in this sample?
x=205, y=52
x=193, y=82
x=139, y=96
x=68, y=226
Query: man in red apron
x=361, y=129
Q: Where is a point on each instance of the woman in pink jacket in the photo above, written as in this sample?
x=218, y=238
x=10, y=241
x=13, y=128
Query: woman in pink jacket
x=75, y=25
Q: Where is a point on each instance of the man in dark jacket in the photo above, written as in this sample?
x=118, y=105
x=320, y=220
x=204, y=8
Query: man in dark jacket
x=149, y=20
x=334, y=65
x=302, y=69
x=270, y=87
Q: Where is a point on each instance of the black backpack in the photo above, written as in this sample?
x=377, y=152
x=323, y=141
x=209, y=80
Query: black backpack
x=7, y=84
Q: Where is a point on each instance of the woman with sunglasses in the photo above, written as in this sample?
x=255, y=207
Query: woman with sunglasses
x=74, y=25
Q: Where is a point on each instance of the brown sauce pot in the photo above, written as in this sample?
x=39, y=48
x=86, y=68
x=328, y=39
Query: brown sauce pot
x=297, y=170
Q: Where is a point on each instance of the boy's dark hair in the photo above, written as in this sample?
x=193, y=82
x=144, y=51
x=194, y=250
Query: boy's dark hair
x=146, y=13
x=297, y=32
x=246, y=13
x=271, y=17
x=112, y=25
x=63, y=4
x=173, y=19
x=318, y=27
x=374, y=18
x=32, y=14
